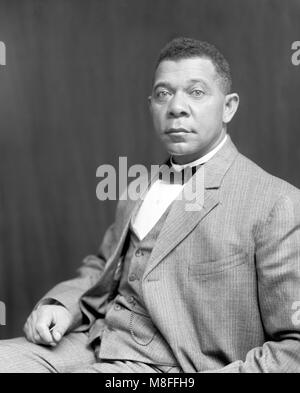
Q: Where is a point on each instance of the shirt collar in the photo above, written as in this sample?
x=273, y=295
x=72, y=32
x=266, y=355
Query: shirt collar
x=201, y=160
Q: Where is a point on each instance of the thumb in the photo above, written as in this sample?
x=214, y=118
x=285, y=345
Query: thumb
x=59, y=329
x=56, y=334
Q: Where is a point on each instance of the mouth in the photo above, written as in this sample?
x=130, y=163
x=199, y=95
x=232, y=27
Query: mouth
x=177, y=131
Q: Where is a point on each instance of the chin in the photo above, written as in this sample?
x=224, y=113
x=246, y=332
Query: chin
x=177, y=151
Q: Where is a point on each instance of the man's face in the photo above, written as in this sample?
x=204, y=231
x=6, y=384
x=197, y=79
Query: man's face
x=187, y=105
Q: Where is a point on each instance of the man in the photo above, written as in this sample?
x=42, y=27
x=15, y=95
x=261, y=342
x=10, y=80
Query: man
x=213, y=289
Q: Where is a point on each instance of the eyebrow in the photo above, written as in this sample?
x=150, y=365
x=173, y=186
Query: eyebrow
x=189, y=82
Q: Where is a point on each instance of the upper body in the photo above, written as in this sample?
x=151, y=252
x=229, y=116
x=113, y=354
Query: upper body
x=222, y=280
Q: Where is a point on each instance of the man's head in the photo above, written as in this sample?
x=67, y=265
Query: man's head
x=191, y=100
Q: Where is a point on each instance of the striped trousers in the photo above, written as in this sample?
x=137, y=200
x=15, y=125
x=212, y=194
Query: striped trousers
x=71, y=355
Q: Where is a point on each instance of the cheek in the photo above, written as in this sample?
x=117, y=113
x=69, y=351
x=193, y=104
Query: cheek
x=210, y=115
x=158, y=116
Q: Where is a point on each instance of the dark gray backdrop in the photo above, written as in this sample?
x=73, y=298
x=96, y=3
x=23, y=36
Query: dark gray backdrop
x=73, y=96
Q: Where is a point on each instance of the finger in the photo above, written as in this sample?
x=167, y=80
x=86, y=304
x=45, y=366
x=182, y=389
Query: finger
x=56, y=334
x=26, y=330
x=44, y=334
x=31, y=333
x=60, y=327
x=53, y=330
x=45, y=341
x=32, y=327
x=37, y=338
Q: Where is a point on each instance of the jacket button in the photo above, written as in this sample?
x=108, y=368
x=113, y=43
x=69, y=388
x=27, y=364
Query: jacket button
x=117, y=307
x=132, y=277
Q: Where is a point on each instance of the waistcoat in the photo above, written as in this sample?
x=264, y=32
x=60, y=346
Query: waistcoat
x=129, y=333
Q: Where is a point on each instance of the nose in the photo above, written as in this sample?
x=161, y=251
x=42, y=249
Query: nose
x=177, y=106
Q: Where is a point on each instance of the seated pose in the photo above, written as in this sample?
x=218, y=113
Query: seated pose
x=209, y=285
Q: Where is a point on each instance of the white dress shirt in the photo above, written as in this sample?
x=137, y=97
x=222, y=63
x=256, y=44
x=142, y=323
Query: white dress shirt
x=162, y=194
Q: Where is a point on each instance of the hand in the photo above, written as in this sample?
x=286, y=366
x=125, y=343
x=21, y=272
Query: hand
x=42, y=319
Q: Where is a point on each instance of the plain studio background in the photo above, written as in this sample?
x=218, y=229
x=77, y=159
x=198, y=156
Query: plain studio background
x=73, y=96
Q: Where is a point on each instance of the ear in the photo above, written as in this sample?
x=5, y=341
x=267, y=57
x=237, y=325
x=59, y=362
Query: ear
x=231, y=104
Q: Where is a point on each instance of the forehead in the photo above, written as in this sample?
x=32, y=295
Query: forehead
x=184, y=70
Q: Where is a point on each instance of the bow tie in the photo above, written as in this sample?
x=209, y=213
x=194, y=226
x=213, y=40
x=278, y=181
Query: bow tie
x=169, y=175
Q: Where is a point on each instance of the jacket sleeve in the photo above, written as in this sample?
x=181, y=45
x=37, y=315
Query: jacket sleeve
x=278, y=275
x=68, y=293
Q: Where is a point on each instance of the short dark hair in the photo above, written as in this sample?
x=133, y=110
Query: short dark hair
x=185, y=48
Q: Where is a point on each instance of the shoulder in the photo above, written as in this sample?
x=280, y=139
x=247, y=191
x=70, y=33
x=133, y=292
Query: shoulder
x=259, y=194
x=249, y=173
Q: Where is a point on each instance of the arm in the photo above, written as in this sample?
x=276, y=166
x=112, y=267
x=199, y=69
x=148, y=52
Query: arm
x=278, y=275
x=68, y=293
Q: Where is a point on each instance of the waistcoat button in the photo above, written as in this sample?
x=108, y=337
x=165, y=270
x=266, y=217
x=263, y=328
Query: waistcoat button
x=130, y=299
x=138, y=252
x=132, y=277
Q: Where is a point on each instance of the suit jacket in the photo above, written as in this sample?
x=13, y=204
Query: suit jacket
x=222, y=284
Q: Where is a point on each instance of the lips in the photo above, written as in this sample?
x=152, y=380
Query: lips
x=177, y=131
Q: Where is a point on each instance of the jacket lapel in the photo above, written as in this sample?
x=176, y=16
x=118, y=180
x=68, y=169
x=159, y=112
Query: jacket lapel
x=180, y=221
x=130, y=210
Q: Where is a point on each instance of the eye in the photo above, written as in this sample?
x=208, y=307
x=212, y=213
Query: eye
x=197, y=93
x=162, y=94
